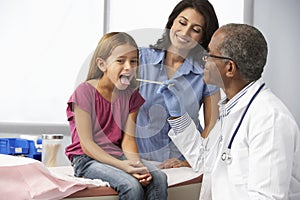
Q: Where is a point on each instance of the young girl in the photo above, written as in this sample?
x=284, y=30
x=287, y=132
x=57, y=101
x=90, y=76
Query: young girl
x=102, y=112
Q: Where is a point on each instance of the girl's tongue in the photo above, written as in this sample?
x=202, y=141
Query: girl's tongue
x=124, y=80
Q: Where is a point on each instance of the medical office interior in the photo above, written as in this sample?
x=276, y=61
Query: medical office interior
x=45, y=47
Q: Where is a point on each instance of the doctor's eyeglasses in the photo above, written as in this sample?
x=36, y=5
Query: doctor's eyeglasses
x=206, y=56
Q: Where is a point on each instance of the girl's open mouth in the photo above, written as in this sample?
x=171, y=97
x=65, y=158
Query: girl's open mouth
x=124, y=79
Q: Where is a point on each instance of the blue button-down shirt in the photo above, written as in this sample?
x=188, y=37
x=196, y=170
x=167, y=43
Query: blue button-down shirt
x=152, y=126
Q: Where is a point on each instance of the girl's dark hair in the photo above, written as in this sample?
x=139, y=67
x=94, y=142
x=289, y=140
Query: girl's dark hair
x=205, y=8
x=104, y=49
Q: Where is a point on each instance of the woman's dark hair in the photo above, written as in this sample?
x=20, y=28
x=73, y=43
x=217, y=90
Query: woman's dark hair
x=205, y=8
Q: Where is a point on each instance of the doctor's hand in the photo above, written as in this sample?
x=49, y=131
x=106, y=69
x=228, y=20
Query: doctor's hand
x=170, y=90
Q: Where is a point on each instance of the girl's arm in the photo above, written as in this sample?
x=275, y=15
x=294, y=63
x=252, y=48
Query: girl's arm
x=93, y=150
x=211, y=112
x=130, y=148
x=129, y=145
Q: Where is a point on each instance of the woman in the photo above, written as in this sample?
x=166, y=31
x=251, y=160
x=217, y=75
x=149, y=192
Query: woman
x=177, y=55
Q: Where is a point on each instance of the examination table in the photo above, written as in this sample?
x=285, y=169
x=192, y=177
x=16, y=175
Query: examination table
x=36, y=181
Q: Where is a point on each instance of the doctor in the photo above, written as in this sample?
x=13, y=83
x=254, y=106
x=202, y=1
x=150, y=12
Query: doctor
x=253, y=151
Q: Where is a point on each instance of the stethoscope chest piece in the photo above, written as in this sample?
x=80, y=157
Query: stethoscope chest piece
x=226, y=157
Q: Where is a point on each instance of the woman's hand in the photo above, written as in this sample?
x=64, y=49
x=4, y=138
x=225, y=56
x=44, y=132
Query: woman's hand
x=173, y=163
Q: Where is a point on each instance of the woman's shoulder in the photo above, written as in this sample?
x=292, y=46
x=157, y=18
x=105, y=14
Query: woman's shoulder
x=145, y=49
x=149, y=54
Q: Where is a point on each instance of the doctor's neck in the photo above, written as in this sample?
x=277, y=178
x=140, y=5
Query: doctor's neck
x=233, y=87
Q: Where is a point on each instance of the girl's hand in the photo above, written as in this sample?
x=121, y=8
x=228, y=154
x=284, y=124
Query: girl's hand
x=144, y=179
x=173, y=163
x=134, y=167
x=141, y=172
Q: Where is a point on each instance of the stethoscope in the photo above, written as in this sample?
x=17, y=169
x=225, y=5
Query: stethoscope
x=226, y=156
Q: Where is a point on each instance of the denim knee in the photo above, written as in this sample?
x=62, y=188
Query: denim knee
x=131, y=190
x=158, y=188
x=160, y=177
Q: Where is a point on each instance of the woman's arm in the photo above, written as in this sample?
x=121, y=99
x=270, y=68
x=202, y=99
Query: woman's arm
x=211, y=112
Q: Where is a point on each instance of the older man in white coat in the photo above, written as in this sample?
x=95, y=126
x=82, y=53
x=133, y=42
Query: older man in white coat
x=253, y=152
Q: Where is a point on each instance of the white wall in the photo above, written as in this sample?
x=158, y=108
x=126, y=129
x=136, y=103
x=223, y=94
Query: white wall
x=45, y=49
x=147, y=19
x=279, y=22
x=43, y=45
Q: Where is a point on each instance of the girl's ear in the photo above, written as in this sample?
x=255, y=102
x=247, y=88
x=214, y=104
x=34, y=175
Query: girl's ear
x=101, y=64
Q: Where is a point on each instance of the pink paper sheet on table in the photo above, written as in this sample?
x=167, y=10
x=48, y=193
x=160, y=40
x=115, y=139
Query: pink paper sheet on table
x=26, y=178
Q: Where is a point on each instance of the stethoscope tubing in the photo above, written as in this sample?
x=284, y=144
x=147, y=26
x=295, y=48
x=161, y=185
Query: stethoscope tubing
x=226, y=156
x=243, y=116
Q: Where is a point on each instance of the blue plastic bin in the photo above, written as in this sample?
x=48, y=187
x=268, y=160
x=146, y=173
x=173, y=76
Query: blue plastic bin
x=20, y=147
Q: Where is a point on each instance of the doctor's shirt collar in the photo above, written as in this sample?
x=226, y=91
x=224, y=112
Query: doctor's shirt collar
x=225, y=106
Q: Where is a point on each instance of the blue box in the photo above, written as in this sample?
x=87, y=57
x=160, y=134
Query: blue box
x=20, y=147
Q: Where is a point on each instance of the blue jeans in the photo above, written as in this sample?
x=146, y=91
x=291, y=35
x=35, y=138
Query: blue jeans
x=125, y=184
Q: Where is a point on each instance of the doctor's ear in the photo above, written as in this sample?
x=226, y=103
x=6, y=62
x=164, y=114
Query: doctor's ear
x=231, y=68
x=101, y=64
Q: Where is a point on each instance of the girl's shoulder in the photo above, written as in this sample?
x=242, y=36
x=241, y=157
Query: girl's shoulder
x=85, y=87
x=90, y=84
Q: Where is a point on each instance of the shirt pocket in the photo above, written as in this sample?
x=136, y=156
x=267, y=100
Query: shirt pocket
x=238, y=169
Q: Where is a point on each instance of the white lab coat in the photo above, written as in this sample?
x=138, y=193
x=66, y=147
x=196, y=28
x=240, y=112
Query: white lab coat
x=265, y=152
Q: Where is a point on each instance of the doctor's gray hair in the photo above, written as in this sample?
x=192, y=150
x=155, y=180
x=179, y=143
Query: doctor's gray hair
x=247, y=46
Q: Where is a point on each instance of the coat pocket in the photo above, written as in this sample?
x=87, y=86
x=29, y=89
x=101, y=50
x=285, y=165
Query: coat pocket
x=238, y=169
